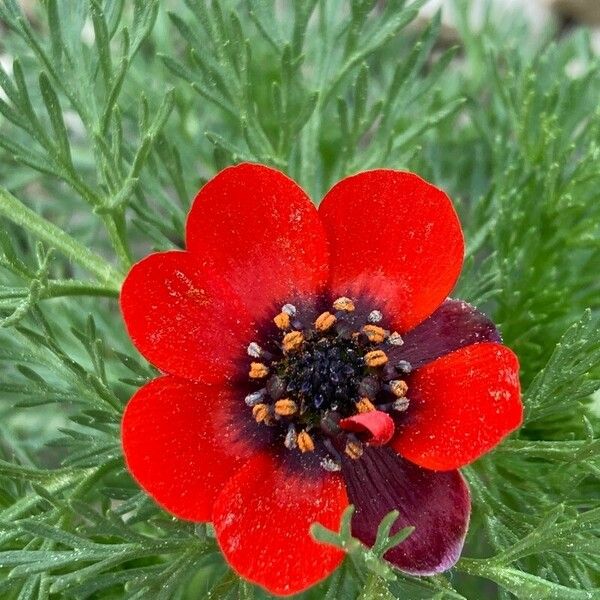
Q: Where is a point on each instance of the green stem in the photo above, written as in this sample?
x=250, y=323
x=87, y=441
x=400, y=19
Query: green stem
x=72, y=287
x=115, y=226
x=15, y=211
x=59, y=288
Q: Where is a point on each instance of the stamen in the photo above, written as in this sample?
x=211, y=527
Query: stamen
x=261, y=413
x=369, y=387
x=291, y=438
x=254, y=350
x=286, y=407
x=330, y=465
x=353, y=448
x=255, y=398
x=325, y=321
x=389, y=372
x=258, y=370
x=289, y=309
x=292, y=341
x=364, y=405
x=398, y=388
x=375, y=358
x=305, y=442
x=401, y=404
x=375, y=334
x=404, y=366
x=344, y=304
x=395, y=339
x=282, y=320
x=276, y=387
x=330, y=424
x=375, y=316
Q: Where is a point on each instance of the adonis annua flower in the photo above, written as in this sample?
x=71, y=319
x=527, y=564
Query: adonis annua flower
x=312, y=359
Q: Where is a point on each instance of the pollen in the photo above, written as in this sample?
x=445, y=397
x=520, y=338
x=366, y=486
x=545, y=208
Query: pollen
x=255, y=398
x=376, y=358
x=282, y=320
x=305, y=442
x=398, y=388
x=291, y=438
x=401, y=404
x=285, y=407
x=344, y=304
x=292, y=341
x=261, y=413
x=364, y=405
x=258, y=370
x=254, y=350
x=354, y=449
x=374, y=333
x=289, y=309
x=395, y=339
x=325, y=321
x=375, y=316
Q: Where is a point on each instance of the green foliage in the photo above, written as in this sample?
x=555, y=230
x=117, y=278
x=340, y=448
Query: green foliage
x=113, y=112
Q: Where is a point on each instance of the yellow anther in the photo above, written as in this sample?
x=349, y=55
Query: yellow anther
x=364, y=405
x=399, y=388
x=344, y=304
x=325, y=321
x=261, y=413
x=285, y=407
x=375, y=334
x=375, y=358
x=292, y=341
x=282, y=320
x=305, y=442
x=258, y=370
x=354, y=449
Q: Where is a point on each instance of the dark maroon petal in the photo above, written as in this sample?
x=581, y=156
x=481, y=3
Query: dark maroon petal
x=453, y=325
x=436, y=504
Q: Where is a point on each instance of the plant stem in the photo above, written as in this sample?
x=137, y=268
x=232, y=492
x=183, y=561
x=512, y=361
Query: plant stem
x=114, y=227
x=14, y=210
x=59, y=288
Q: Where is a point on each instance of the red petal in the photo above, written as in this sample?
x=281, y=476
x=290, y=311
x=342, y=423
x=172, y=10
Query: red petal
x=461, y=406
x=176, y=446
x=396, y=238
x=262, y=520
x=183, y=318
x=258, y=229
x=377, y=426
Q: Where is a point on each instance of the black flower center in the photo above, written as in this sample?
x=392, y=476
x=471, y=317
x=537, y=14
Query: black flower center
x=317, y=375
x=325, y=374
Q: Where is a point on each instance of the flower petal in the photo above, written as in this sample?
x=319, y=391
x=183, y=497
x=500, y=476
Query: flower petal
x=184, y=319
x=260, y=231
x=377, y=426
x=178, y=445
x=262, y=520
x=453, y=325
x=393, y=237
x=436, y=504
x=461, y=406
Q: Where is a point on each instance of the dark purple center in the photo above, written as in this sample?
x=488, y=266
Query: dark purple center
x=322, y=368
x=325, y=374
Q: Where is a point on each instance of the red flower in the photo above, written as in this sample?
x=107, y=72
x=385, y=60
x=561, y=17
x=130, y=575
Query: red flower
x=312, y=360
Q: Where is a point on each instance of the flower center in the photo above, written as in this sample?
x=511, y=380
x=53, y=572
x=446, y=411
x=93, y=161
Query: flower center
x=324, y=374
